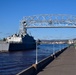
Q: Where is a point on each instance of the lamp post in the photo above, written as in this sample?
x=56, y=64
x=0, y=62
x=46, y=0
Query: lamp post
x=60, y=46
x=53, y=49
x=36, y=53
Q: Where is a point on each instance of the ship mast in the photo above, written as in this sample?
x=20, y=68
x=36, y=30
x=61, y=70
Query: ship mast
x=23, y=29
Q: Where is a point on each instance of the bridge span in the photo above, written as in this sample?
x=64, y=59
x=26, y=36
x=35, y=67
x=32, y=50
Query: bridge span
x=49, y=21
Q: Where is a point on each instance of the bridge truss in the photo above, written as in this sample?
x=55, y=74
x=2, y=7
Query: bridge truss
x=49, y=21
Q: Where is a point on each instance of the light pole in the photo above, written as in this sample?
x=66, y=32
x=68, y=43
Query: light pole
x=36, y=53
x=53, y=49
x=60, y=46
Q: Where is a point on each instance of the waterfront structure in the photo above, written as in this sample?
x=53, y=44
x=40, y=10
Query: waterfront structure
x=70, y=41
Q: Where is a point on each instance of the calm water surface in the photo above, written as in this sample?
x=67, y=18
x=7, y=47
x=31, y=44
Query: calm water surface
x=13, y=62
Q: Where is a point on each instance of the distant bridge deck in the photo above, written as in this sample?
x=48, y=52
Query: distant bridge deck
x=65, y=64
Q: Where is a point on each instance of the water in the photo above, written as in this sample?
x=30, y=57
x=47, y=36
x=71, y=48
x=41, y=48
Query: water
x=13, y=62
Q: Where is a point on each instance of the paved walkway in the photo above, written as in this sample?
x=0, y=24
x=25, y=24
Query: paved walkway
x=65, y=64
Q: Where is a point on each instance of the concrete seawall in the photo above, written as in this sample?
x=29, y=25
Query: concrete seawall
x=36, y=68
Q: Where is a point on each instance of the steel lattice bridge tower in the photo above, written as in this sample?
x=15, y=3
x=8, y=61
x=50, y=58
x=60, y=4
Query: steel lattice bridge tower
x=49, y=21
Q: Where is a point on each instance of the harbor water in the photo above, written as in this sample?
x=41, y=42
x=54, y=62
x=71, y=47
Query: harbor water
x=13, y=62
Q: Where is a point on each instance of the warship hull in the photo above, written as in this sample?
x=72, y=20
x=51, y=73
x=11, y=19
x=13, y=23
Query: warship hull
x=5, y=47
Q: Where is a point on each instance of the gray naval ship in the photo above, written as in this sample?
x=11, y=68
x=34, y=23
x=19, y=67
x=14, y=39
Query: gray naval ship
x=18, y=42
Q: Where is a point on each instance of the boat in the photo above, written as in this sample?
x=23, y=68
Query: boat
x=21, y=41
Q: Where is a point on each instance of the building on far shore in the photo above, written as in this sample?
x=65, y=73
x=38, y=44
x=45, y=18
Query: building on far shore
x=69, y=41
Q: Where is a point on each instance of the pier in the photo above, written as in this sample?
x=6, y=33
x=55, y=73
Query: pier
x=65, y=64
x=61, y=63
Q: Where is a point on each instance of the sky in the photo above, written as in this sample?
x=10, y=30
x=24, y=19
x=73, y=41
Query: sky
x=12, y=11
